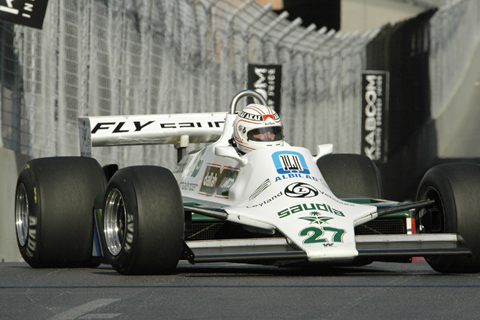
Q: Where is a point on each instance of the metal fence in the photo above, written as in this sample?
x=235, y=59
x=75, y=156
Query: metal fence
x=455, y=33
x=167, y=56
x=98, y=57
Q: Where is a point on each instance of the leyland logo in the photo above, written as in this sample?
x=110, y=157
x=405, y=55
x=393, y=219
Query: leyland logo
x=300, y=190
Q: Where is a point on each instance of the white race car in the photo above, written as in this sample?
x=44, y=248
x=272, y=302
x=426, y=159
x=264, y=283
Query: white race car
x=276, y=205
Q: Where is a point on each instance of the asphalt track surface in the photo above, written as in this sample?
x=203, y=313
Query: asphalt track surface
x=238, y=291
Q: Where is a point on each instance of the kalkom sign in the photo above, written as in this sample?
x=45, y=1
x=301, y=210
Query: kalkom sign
x=374, y=115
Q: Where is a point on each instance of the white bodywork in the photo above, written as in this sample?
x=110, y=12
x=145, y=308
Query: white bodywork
x=269, y=190
x=274, y=188
x=177, y=129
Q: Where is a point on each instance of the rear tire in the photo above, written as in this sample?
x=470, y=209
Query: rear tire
x=143, y=221
x=455, y=189
x=351, y=175
x=54, y=211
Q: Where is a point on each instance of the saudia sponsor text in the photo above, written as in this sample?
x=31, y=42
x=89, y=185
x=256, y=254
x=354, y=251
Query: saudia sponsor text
x=309, y=207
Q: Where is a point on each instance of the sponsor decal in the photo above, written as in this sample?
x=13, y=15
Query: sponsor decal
x=294, y=175
x=30, y=13
x=32, y=236
x=191, y=164
x=138, y=126
x=210, y=180
x=198, y=163
x=316, y=218
x=336, y=199
x=188, y=186
x=314, y=207
x=290, y=162
x=266, y=80
x=300, y=190
x=260, y=189
x=218, y=180
x=374, y=109
x=258, y=117
x=318, y=232
x=130, y=232
x=249, y=116
x=278, y=195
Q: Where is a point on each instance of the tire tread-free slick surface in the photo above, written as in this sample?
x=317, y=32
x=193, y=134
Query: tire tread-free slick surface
x=456, y=189
x=60, y=193
x=152, y=206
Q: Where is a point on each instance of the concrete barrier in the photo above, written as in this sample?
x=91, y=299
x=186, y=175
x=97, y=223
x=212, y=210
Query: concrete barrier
x=10, y=165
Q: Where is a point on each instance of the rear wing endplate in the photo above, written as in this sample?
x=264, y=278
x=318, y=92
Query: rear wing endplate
x=178, y=129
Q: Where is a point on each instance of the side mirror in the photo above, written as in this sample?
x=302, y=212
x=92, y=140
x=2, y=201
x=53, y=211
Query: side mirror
x=230, y=152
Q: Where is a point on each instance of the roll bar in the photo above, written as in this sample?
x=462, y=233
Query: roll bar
x=246, y=93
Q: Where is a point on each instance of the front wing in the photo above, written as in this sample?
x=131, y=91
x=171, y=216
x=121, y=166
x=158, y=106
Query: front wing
x=375, y=247
x=386, y=247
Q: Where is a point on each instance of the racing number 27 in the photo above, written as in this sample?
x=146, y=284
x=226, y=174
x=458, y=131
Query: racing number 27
x=315, y=234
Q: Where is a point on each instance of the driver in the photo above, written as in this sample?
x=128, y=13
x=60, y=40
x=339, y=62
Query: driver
x=257, y=126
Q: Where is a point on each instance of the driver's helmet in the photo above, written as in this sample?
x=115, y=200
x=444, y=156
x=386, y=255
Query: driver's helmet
x=257, y=126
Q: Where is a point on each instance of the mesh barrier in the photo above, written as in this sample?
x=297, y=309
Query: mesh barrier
x=403, y=50
x=455, y=32
x=166, y=56
x=148, y=56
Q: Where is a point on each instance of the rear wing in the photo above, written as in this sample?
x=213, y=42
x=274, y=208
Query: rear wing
x=178, y=129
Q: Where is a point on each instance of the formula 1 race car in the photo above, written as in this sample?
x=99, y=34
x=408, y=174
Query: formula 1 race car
x=277, y=205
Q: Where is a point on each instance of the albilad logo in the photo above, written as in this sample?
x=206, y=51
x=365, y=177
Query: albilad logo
x=300, y=190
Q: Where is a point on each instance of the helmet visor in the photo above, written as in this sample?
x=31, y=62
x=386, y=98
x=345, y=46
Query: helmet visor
x=266, y=134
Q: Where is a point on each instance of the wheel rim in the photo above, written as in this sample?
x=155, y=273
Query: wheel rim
x=21, y=214
x=114, y=220
x=431, y=220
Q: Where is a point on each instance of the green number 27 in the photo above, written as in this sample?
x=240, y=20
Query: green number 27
x=315, y=234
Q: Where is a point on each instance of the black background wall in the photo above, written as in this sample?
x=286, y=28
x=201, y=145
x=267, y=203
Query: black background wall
x=403, y=50
x=320, y=12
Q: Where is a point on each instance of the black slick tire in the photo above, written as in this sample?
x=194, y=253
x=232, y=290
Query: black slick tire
x=143, y=221
x=54, y=210
x=455, y=189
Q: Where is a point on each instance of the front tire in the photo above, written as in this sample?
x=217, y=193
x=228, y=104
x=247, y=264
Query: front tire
x=54, y=203
x=455, y=189
x=143, y=221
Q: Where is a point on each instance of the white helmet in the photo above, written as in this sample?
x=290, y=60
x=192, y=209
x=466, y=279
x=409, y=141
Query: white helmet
x=257, y=126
